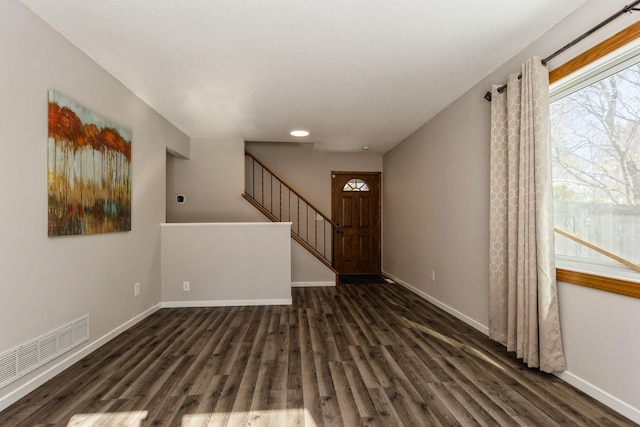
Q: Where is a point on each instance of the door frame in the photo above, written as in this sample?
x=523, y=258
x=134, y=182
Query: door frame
x=378, y=207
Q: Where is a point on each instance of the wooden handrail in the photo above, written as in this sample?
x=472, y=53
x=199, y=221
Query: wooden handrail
x=301, y=197
x=604, y=252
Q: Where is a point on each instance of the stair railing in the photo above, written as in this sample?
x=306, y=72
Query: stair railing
x=281, y=203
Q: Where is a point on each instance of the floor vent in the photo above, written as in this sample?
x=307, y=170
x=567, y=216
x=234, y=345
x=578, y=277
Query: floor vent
x=24, y=358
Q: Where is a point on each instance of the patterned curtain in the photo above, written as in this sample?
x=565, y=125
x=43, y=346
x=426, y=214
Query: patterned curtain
x=523, y=301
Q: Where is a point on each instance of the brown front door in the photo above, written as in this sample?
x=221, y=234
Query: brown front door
x=355, y=208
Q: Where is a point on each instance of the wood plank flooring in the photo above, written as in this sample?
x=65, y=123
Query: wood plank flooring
x=374, y=355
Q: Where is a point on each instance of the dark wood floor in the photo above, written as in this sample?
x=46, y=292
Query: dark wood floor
x=353, y=355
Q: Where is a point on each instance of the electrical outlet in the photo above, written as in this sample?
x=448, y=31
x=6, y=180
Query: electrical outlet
x=186, y=286
x=433, y=276
x=136, y=289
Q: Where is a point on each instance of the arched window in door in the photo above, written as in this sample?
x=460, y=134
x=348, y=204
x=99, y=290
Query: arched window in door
x=355, y=185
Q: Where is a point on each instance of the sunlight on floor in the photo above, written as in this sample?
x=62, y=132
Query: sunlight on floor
x=275, y=417
x=470, y=350
x=124, y=419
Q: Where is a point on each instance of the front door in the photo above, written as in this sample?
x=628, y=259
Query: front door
x=355, y=209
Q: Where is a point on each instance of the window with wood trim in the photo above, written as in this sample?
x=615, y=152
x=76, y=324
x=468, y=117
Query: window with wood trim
x=595, y=133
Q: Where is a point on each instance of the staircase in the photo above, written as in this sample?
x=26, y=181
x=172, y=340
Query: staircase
x=279, y=202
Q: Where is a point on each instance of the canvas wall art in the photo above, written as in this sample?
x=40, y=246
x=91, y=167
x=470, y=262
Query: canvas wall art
x=89, y=171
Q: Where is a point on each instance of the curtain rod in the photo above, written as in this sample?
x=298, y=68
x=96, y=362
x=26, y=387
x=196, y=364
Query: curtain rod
x=627, y=9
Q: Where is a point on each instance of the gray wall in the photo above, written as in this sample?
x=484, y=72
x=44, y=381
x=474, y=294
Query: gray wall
x=47, y=282
x=214, y=259
x=309, y=170
x=213, y=182
x=212, y=179
x=442, y=169
x=436, y=204
x=436, y=189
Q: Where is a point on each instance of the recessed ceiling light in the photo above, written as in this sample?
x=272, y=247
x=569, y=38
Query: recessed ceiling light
x=366, y=147
x=299, y=133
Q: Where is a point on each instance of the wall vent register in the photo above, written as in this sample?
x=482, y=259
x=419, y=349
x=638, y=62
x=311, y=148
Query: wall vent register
x=22, y=359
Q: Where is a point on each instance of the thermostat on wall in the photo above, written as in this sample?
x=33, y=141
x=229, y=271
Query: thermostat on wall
x=180, y=198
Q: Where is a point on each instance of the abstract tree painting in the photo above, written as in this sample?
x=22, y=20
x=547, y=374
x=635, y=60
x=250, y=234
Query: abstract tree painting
x=89, y=171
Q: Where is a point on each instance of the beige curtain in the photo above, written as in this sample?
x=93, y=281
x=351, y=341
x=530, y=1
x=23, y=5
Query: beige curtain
x=523, y=304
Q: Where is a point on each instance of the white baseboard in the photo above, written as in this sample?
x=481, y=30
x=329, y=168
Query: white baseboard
x=59, y=366
x=225, y=303
x=311, y=284
x=466, y=319
x=600, y=395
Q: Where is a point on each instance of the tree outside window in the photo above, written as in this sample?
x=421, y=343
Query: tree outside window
x=595, y=133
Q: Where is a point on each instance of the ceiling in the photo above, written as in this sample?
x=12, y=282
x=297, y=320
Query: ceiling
x=350, y=72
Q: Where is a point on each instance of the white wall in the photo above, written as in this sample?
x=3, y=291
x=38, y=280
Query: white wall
x=436, y=189
x=226, y=264
x=47, y=282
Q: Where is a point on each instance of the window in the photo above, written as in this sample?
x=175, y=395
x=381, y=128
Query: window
x=355, y=185
x=595, y=136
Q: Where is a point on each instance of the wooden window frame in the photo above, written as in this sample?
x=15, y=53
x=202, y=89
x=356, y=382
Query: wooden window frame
x=629, y=34
x=618, y=286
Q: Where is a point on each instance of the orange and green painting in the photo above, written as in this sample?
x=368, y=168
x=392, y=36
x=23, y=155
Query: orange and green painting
x=89, y=171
